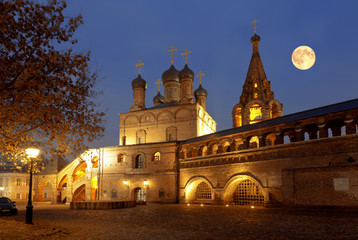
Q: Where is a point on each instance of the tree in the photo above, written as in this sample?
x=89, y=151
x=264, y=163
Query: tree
x=47, y=90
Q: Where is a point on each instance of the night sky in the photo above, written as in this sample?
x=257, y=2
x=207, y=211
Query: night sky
x=120, y=32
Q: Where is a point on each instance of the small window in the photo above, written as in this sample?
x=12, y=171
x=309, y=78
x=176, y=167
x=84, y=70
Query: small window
x=161, y=194
x=255, y=85
x=18, y=196
x=256, y=95
x=120, y=158
x=139, y=162
x=114, y=194
x=27, y=181
x=45, y=195
x=156, y=156
x=18, y=182
x=94, y=162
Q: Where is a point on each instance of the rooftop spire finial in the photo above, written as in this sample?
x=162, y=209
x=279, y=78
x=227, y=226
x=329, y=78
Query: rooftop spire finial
x=138, y=65
x=254, y=22
x=171, y=51
x=158, y=83
x=200, y=75
x=185, y=54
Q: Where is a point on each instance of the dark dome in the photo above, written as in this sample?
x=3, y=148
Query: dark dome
x=255, y=38
x=172, y=74
x=200, y=92
x=139, y=82
x=186, y=72
x=159, y=99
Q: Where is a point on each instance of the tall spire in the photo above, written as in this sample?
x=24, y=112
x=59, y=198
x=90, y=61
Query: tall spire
x=257, y=101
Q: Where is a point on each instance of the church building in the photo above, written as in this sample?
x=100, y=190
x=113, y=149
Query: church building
x=170, y=152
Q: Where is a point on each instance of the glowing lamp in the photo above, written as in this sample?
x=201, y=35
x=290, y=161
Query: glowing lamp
x=125, y=182
x=252, y=206
x=201, y=205
x=2, y=188
x=227, y=205
x=146, y=183
x=32, y=152
x=188, y=204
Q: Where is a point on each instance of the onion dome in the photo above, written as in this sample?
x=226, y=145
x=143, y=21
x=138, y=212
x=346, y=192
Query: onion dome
x=200, y=92
x=172, y=74
x=139, y=82
x=159, y=99
x=255, y=38
x=186, y=72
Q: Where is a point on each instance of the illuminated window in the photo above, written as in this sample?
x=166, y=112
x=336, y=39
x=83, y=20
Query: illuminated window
x=255, y=113
x=94, y=162
x=238, y=117
x=156, y=156
x=248, y=193
x=18, y=182
x=139, y=162
x=255, y=85
x=256, y=95
x=203, y=191
x=120, y=158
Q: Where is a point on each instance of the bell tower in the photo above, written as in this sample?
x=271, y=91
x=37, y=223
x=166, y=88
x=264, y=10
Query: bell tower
x=257, y=102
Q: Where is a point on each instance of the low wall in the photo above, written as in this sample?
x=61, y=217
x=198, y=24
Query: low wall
x=102, y=205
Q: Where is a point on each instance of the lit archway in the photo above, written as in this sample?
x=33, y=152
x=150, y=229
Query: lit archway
x=198, y=189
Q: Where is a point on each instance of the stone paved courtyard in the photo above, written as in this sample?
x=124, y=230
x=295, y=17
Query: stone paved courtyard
x=156, y=221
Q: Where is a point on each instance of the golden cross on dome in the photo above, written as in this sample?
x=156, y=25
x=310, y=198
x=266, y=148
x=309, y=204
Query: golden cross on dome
x=158, y=83
x=200, y=75
x=254, y=22
x=171, y=51
x=138, y=65
x=185, y=54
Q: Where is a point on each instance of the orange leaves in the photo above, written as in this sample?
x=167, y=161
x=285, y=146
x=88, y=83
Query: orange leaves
x=46, y=92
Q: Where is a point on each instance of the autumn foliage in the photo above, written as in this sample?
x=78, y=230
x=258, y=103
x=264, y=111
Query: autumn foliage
x=47, y=90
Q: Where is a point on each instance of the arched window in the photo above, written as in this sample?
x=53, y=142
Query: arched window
x=120, y=158
x=203, y=191
x=255, y=113
x=139, y=162
x=114, y=194
x=248, y=193
x=156, y=156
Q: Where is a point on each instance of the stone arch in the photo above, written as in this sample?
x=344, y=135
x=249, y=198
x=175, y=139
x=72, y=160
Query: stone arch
x=141, y=136
x=235, y=180
x=183, y=114
x=311, y=130
x=79, y=171
x=203, y=150
x=193, y=152
x=45, y=191
x=213, y=148
x=336, y=126
x=290, y=133
x=62, y=190
x=275, y=108
x=269, y=139
x=238, y=144
x=191, y=187
x=237, y=115
x=79, y=194
x=253, y=141
x=225, y=146
x=139, y=195
x=171, y=133
x=131, y=120
x=148, y=118
x=121, y=157
x=165, y=116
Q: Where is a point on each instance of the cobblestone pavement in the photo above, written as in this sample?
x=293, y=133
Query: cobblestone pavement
x=157, y=221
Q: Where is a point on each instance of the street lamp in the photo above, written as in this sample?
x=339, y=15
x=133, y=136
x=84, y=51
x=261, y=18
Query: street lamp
x=31, y=153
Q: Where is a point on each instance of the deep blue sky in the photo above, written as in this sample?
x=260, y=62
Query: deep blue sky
x=120, y=32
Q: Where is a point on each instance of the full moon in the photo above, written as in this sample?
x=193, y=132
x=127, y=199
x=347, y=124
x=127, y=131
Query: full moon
x=303, y=57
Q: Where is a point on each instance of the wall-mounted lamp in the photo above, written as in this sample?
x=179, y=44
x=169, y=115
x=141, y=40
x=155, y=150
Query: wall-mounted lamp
x=146, y=184
x=126, y=183
x=2, y=188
